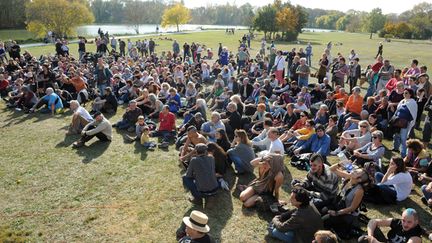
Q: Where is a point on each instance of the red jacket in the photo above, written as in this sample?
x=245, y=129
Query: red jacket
x=167, y=122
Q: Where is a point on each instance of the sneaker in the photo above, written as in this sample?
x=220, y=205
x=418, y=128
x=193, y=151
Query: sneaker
x=77, y=144
x=424, y=201
x=163, y=145
x=224, y=184
x=120, y=102
x=336, y=151
x=130, y=139
x=18, y=109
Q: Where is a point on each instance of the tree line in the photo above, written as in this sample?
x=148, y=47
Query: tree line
x=415, y=23
x=281, y=20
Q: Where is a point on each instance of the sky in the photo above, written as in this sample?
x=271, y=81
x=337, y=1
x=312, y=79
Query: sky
x=387, y=6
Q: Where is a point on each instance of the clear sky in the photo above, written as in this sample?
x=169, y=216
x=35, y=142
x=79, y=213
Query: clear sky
x=388, y=6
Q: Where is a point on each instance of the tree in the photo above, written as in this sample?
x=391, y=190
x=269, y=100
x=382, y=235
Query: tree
x=12, y=13
x=59, y=16
x=134, y=14
x=176, y=15
x=287, y=21
x=265, y=20
x=342, y=22
x=374, y=21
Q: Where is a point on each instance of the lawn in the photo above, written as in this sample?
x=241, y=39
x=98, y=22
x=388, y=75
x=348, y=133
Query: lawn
x=121, y=192
x=15, y=34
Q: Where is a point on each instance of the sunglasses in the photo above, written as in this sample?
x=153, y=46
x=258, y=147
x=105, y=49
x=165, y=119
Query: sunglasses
x=374, y=137
x=302, y=115
x=363, y=126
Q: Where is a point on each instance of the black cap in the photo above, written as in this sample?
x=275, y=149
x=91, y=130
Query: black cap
x=97, y=113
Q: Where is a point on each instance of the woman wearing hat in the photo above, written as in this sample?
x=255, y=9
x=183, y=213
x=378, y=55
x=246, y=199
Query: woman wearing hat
x=196, y=228
x=271, y=175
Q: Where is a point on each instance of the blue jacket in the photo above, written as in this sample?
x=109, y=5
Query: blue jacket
x=318, y=145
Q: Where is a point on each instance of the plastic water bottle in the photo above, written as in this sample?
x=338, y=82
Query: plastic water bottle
x=348, y=167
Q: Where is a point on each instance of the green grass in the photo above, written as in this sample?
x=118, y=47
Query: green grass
x=15, y=34
x=121, y=192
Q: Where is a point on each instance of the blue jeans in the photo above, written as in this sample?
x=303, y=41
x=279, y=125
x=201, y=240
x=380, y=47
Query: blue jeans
x=303, y=82
x=427, y=195
x=166, y=135
x=238, y=164
x=400, y=139
x=101, y=88
x=285, y=237
x=279, y=111
x=387, y=191
x=124, y=124
x=189, y=183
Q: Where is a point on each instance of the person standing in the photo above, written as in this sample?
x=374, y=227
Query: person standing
x=380, y=50
x=385, y=74
x=113, y=43
x=309, y=54
x=279, y=65
x=81, y=48
x=354, y=73
x=303, y=72
x=102, y=76
x=176, y=48
x=122, y=46
x=151, y=46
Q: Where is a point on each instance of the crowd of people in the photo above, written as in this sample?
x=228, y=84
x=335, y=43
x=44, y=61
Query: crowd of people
x=248, y=113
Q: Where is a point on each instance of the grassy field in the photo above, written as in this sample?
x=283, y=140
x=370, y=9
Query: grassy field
x=119, y=192
x=15, y=34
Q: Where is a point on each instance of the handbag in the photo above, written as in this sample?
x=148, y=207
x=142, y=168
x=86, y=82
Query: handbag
x=398, y=122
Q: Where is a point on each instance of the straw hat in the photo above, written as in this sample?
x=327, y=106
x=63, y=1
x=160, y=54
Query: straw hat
x=197, y=221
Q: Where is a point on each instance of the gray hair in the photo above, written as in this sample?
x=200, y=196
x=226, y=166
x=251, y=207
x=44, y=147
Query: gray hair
x=74, y=102
x=216, y=114
x=379, y=134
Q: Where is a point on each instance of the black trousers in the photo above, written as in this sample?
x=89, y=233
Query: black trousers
x=101, y=136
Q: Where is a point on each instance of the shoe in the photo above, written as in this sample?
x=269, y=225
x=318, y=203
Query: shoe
x=424, y=201
x=224, y=184
x=163, y=145
x=131, y=129
x=120, y=102
x=130, y=139
x=77, y=144
x=336, y=151
x=114, y=125
x=194, y=200
x=18, y=109
x=396, y=150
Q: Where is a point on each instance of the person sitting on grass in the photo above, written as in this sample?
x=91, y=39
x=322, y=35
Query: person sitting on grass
x=80, y=118
x=142, y=132
x=298, y=224
x=271, y=170
x=241, y=153
x=200, y=177
x=318, y=143
x=100, y=128
x=393, y=186
x=195, y=229
x=52, y=102
x=275, y=144
x=354, y=139
x=325, y=236
x=418, y=158
x=107, y=103
x=404, y=230
x=187, y=150
x=209, y=128
x=130, y=117
x=340, y=217
x=320, y=182
x=262, y=142
x=167, y=128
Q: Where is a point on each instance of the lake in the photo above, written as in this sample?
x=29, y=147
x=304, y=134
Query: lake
x=92, y=30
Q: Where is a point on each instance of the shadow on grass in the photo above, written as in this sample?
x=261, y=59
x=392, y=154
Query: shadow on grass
x=67, y=141
x=92, y=151
x=218, y=208
x=139, y=149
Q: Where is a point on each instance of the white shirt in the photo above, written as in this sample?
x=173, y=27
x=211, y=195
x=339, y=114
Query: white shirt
x=402, y=183
x=84, y=114
x=279, y=62
x=277, y=147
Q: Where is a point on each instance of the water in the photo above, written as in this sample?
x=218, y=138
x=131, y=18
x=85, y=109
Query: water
x=319, y=30
x=92, y=30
